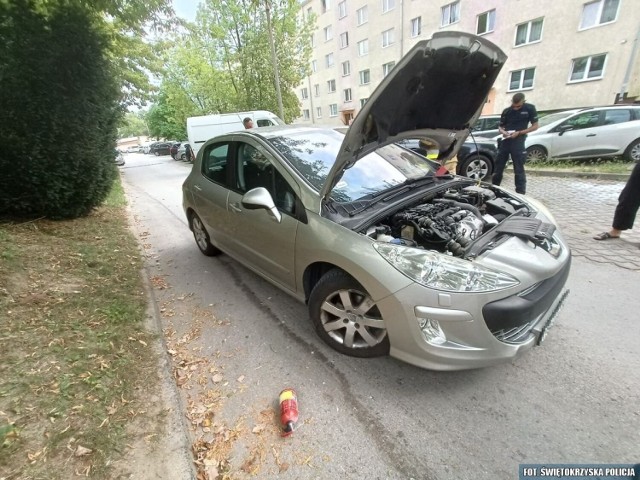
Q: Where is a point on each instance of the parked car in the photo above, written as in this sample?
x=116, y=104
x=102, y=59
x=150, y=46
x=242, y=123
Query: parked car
x=475, y=158
x=600, y=132
x=439, y=271
x=119, y=158
x=133, y=149
x=486, y=126
x=182, y=152
x=160, y=148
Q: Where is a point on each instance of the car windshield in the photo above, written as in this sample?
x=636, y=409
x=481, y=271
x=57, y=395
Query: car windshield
x=313, y=153
x=553, y=117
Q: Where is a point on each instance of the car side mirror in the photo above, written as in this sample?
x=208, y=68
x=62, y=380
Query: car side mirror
x=564, y=128
x=258, y=198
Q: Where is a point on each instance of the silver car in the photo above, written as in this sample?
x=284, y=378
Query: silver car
x=587, y=133
x=391, y=254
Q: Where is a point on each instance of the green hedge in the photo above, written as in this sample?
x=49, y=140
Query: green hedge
x=59, y=108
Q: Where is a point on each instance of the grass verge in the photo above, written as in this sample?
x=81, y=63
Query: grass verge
x=595, y=165
x=76, y=360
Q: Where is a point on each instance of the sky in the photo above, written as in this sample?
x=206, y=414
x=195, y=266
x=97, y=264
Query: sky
x=186, y=8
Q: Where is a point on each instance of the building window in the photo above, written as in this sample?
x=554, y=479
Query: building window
x=387, y=67
x=387, y=38
x=326, y=5
x=365, y=77
x=450, y=14
x=363, y=101
x=486, y=22
x=342, y=9
x=529, y=32
x=328, y=34
x=347, y=95
x=304, y=93
x=333, y=110
x=314, y=65
x=388, y=5
x=344, y=40
x=346, y=68
x=318, y=112
x=599, y=13
x=309, y=12
x=331, y=86
x=521, y=79
x=305, y=113
x=363, y=47
x=588, y=68
x=316, y=89
x=363, y=15
x=328, y=59
x=313, y=40
x=416, y=26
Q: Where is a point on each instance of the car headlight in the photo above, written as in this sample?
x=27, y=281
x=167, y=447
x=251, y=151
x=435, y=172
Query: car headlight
x=443, y=272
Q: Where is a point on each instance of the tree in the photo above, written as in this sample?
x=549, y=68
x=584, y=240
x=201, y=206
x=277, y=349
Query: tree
x=133, y=125
x=60, y=109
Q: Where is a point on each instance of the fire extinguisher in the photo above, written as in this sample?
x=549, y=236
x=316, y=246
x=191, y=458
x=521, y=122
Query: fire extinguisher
x=288, y=411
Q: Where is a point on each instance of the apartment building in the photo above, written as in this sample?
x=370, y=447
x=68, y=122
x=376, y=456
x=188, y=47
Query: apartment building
x=562, y=54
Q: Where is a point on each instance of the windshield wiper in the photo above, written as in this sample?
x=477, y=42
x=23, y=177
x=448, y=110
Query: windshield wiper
x=396, y=190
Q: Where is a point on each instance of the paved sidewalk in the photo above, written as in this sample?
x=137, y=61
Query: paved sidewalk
x=584, y=208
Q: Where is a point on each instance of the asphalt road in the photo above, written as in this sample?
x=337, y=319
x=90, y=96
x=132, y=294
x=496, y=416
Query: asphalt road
x=236, y=341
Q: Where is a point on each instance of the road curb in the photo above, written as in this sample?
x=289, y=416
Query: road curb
x=616, y=177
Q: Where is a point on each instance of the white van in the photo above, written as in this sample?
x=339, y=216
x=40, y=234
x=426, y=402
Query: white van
x=201, y=129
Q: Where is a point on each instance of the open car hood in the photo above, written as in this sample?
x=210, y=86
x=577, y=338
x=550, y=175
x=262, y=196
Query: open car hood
x=435, y=92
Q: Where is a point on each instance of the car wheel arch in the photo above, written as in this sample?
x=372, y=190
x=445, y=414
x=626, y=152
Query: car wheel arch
x=635, y=144
x=533, y=148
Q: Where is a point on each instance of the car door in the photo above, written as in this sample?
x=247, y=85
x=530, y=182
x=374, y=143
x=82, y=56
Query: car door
x=259, y=241
x=618, y=130
x=577, y=136
x=211, y=190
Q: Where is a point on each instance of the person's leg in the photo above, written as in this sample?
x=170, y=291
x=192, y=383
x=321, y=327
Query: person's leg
x=628, y=202
x=501, y=162
x=518, y=156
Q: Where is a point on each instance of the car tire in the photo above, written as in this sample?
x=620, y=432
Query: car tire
x=536, y=153
x=202, y=237
x=477, y=167
x=346, y=318
x=183, y=157
x=157, y=153
x=632, y=153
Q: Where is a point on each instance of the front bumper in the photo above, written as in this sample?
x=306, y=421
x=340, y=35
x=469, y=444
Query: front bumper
x=476, y=335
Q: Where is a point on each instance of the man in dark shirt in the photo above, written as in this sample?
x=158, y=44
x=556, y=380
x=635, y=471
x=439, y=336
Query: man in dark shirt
x=514, y=126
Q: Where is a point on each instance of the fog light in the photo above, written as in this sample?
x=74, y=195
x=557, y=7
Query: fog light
x=432, y=332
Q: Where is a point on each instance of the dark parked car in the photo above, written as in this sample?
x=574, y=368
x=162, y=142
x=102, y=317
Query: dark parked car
x=475, y=159
x=486, y=126
x=160, y=148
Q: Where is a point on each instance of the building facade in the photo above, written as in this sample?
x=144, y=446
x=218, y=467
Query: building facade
x=561, y=53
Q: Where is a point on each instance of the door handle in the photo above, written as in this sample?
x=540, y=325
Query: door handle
x=591, y=135
x=235, y=207
x=198, y=187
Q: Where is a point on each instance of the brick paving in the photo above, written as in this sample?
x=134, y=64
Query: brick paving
x=584, y=208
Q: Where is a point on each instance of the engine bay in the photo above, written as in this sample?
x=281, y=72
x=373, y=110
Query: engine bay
x=451, y=220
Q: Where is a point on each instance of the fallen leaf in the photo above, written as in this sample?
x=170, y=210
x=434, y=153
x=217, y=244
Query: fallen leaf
x=258, y=428
x=241, y=378
x=81, y=451
x=217, y=378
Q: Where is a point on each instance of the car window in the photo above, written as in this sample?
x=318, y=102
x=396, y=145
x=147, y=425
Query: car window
x=491, y=123
x=583, y=120
x=612, y=117
x=255, y=170
x=265, y=123
x=214, y=162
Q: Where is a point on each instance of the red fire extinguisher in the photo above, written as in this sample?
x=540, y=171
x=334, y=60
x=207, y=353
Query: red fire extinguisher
x=288, y=411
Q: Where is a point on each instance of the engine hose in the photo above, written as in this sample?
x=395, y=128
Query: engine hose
x=464, y=206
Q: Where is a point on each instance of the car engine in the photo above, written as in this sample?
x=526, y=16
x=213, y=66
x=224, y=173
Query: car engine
x=449, y=221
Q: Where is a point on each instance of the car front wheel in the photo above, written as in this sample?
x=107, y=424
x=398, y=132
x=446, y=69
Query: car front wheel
x=632, y=153
x=536, y=153
x=202, y=237
x=477, y=167
x=346, y=317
